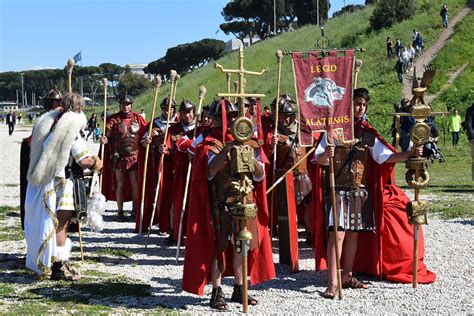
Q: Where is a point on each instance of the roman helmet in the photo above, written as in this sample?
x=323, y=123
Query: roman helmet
x=286, y=105
x=50, y=98
x=54, y=94
x=126, y=98
x=215, y=108
x=186, y=105
x=164, y=103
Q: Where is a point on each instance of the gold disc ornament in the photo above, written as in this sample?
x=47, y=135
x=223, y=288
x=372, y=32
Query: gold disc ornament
x=420, y=133
x=242, y=129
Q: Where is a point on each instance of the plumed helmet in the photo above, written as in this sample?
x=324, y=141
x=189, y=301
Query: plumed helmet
x=54, y=94
x=186, y=105
x=286, y=104
x=164, y=103
x=126, y=98
x=216, y=110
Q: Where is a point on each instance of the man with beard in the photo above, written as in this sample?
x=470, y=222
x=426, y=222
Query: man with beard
x=370, y=208
x=211, y=229
x=57, y=148
x=52, y=101
x=122, y=136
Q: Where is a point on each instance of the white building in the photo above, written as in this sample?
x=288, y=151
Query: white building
x=235, y=43
x=138, y=69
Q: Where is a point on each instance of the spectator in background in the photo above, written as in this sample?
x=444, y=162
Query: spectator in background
x=398, y=47
x=389, y=47
x=455, y=126
x=415, y=36
x=405, y=59
x=142, y=113
x=399, y=68
x=444, y=15
x=97, y=132
x=91, y=125
x=418, y=43
x=411, y=57
x=19, y=117
x=11, y=121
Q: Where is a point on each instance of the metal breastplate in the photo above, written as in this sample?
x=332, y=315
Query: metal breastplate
x=350, y=166
x=126, y=143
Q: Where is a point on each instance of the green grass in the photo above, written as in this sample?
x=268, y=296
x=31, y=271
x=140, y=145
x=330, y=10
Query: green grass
x=451, y=190
x=96, y=293
x=351, y=30
x=114, y=252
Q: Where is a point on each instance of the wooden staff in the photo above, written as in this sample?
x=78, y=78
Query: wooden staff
x=202, y=92
x=174, y=91
x=157, y=83
x=102, y=146
x=280, y=179
x=358, y=64
x=278, y=55
x=332, y=186
x=70, y=66
x=174, y=77
x=228, y=85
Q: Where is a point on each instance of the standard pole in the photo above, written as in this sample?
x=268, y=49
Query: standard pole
x=279, y=56
x=332, y=184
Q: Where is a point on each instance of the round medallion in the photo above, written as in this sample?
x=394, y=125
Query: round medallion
x=242, y=129
x=420, y=133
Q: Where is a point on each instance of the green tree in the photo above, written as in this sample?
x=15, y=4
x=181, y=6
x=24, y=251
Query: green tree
x=389, y=12
x=306, y=11
x=112, y=72
x=133, y=84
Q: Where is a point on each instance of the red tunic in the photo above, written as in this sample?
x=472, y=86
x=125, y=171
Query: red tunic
x=200, y=246
x=108, y=178
x=387, y=251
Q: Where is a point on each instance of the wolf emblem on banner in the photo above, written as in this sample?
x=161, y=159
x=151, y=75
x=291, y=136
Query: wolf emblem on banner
x=323, y=92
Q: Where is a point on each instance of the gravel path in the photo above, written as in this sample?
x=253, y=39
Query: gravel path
x=449, y=252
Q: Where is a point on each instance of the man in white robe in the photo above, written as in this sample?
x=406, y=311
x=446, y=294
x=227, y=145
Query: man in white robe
x=49, y=201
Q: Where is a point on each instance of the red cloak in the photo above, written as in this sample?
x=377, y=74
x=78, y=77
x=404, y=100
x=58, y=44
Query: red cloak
x=200, y=247
x=181, y=142
x=108, y=178
x=163, y=205
x=387, y=251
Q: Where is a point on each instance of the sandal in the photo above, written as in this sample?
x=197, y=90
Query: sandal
x=61, y=271
x=353, y=283
x=237, y=296
x=218, y=300
x=120, y=216
x=330, y=292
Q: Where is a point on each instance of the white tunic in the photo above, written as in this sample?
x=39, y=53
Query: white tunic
x=41, y=204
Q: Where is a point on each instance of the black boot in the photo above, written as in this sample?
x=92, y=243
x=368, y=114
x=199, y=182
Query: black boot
x=218, y=299
x=237, y=296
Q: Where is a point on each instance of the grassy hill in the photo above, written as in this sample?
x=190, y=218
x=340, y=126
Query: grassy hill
x=352, y=30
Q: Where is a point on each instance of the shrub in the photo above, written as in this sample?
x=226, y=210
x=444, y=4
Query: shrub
x=389, y=12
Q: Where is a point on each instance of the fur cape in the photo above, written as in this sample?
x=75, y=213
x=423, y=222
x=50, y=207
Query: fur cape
x=47, y=161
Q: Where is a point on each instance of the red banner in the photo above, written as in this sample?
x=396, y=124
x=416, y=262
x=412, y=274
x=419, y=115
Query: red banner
x=324, y=93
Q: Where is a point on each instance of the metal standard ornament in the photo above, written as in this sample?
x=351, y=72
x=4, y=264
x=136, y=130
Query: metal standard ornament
x=242, y=129
x=241, y=164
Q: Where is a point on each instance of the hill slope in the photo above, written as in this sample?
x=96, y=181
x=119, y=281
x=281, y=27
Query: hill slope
x=377, y=73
